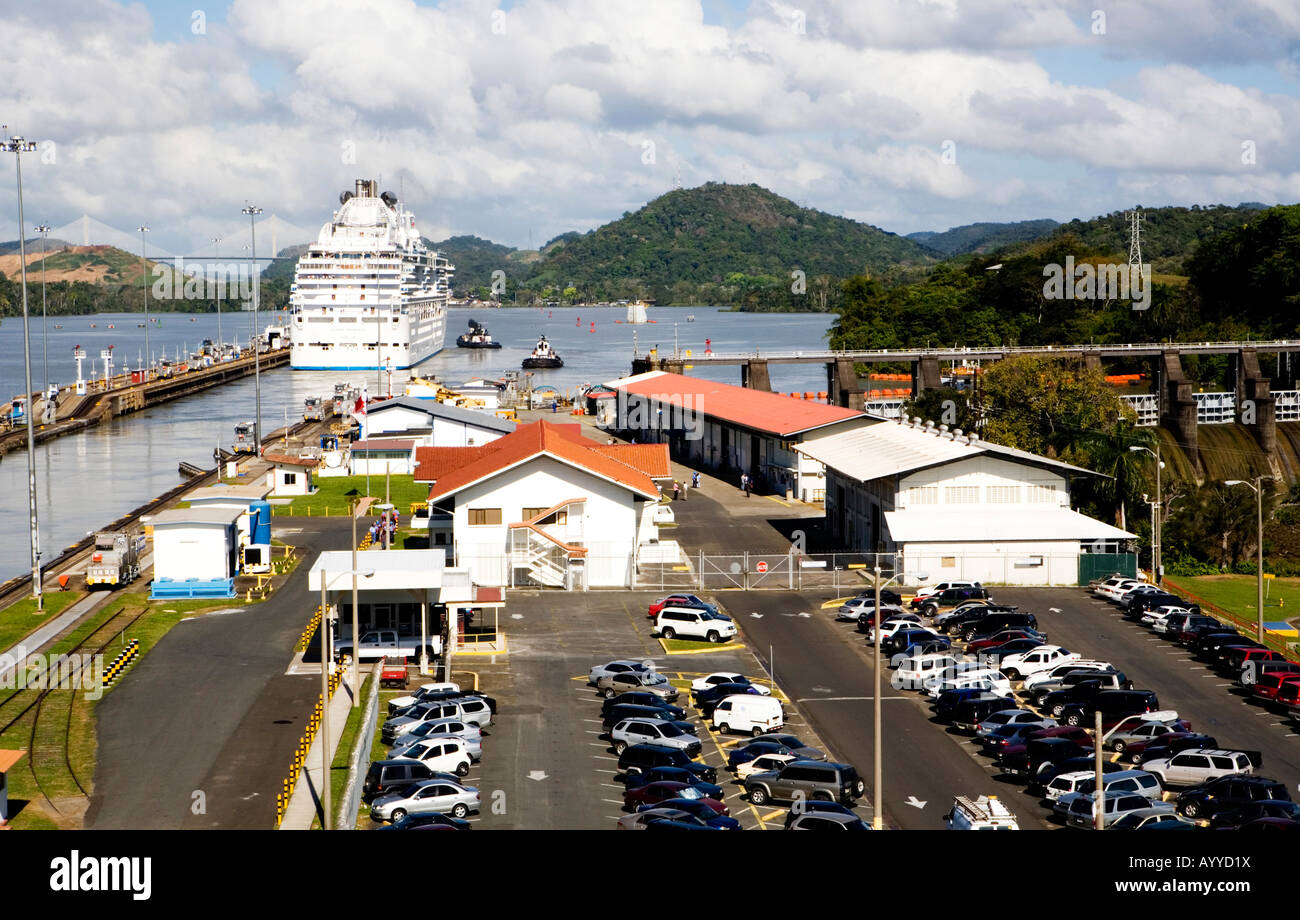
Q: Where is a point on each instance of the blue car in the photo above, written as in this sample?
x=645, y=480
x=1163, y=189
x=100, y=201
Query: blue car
x=700, y=810
x=737, y=756
x=674, y=775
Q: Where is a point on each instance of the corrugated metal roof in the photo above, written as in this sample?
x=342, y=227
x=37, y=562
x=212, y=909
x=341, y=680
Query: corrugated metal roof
x=971, y=526
x=206, y=514
x=891, y=448
x=482, y=418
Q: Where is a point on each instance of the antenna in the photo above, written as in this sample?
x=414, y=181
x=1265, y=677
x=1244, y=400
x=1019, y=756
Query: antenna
x=1135, y=240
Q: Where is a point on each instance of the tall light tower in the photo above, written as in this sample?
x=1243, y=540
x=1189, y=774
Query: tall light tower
x=144, y=289
x=44, y=231
x=216, y=255
x=18, y=146
x=252, y=213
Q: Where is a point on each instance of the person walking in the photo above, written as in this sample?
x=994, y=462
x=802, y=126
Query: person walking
x=686, y=489
x=677, y=488
x=749, y=484
x=695, y=480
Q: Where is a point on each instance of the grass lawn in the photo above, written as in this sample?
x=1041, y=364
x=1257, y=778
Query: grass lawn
x=20, y=618
x=343, y=753
x=690, y=646
x=334, y=494
x=1237, y=593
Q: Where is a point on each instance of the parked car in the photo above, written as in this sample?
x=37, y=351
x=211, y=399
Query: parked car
x=744, y=754
x=1139, y=781
x=680, y=600
x=726, y=677
x=806, y=779
x=953, y=620
x=642, y=757
x=794, y=744
x=653, y=731
x=995, y=622
x=1168, y=744
x=386, y=775
x=430, y=796
x=647, y=682
x=1010, y=717
x=867, y=617
x=707, y=700
x=446, y=754
x=1196, y=625
x=658, y=817
x=1084, y=766
x=887, y=630
x=1253, y=811
x=951, y=597
x=711, y=811
x=1058, y=671
x=1113, y=705
x=914, y=669
x=621, y=666
x=887, y=596
x=1037, y=752
x=428, y=822
x=986, y=679
x=925, y=591
x=1152, y=819
x=1138, y=604
x=748, y=714
x=1118, y=741
x=925, y=649
x=453, y=728
x=423, y=692
x=665, y=709
x=1229, y=792
x=762, y=763
x=1003, y=641
x=969, y=715
x=904, y=639
x=861, y=605
x=692, y=623
x=1251, y=670
x=673, y=775
x=1038, y=659
x=1152, y=614
x=652, y=794
x=827, y=822
x=1196, y=767
x=1079, y=691
x=817, y=807
x=1006, y=735
x=1079, y=810
x=396, y=728
x=1235, y=659
x=1267, y=686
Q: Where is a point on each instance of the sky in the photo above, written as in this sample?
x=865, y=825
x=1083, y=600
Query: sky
x=518, y=121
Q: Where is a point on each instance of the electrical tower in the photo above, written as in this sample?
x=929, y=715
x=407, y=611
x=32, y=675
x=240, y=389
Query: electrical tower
x=1135, y=241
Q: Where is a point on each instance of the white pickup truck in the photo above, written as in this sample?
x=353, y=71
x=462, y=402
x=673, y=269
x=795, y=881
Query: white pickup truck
x=381, y=643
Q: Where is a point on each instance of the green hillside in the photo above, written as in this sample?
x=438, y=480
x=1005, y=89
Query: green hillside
x=720, y=243
x=982, y=237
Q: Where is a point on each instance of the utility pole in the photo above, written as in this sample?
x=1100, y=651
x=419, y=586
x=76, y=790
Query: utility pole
x=144, y=290
x=216, y=256
x=17, y=145
x=252, y=213
x=44, y=231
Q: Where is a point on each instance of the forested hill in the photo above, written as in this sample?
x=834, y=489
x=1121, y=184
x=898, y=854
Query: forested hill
x=982, y=237
x=692, y=243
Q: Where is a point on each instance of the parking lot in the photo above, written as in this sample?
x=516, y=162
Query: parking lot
x=546, y=762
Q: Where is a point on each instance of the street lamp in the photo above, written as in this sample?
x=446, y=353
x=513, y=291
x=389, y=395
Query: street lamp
x=216, y=255
x=144, y=289
x=1258, y=486
x=44, y=231
x=18, y=146
x=878, y=805
x=252, y=213
x=1156, y=566
x=325, y=658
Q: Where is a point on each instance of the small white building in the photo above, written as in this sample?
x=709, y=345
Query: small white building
x=378, y=456
x=956, y=506
x=227, y=495
x=433, y=423
x=545, y=506
x=195, y=545
x=291, y=475
x=404, y=590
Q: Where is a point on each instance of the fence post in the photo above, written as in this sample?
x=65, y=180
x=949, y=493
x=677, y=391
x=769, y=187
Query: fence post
x=746, y=571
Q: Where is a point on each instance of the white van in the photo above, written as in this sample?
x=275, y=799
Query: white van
x=987, y=679
x=692, y=623
x=749, y=714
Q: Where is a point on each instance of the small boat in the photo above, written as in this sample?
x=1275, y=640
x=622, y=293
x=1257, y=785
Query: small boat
x=477, y=337
x=139, y=325
x=543, y=356
x=690, y=318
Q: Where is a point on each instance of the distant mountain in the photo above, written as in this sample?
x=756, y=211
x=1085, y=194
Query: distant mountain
x=476, y=259
x=981, y=237
x=734, y=238
x=33, y=245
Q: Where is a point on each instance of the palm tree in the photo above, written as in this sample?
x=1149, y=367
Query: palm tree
x=1129, y=471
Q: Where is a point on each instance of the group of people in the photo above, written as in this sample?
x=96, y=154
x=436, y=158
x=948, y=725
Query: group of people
x=386, y=523
x=682, y=489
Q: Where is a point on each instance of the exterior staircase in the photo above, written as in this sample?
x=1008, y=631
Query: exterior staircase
x=545, y=557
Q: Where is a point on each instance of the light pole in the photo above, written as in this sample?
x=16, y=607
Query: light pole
x=44, y=231
x=1258, y=486
x=216, y=255
x=144, y=289
x=1157, y=568
x=252, y=213
x=878, y=800
x=18, y=146
x=325, y=687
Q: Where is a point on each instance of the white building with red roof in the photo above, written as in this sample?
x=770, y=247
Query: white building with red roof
x=544, y=505
x=731, y=429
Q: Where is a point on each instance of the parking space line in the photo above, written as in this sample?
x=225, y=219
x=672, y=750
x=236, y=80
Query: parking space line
x=605, y=757
x=611, y=802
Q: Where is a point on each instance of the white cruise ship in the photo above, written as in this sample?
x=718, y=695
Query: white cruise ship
x=368, y=294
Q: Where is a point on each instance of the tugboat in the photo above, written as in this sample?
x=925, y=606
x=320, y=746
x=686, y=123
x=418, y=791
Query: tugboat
x=543, y=356
x=477, y=337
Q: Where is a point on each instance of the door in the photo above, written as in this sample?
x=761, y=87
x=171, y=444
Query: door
x=383, y=616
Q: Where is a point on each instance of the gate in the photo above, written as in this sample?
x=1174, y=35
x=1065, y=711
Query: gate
x=719, y=573
x=1093, y=566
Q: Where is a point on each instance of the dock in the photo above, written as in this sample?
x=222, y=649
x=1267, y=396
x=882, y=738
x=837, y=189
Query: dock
x=126, y=393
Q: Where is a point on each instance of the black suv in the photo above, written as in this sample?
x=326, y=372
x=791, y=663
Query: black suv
x=1229, y=792
x=1139, y=604
x=951, y=598
x=1039, y=751
x=640, y=757
x=387, y=775
x=1114, y=706
x=970, y=713
x=994, y=623
x=617, y=714
x=634, y=698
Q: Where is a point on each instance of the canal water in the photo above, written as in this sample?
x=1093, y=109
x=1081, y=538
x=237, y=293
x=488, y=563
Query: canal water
x=87, y=479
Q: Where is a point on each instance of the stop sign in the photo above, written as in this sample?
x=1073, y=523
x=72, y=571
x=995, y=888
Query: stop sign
x=762, y=567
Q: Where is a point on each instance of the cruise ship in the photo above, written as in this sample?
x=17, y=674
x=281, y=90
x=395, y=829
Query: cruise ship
x=368, y=294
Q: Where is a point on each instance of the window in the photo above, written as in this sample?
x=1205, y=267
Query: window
x=484, y=516
x=923, y=495
x=1040, y=494
x=1003, y=495
x=961, y=495
x=290, y=479
x=948, y=562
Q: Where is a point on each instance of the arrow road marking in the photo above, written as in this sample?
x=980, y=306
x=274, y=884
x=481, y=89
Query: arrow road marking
x=538, y=775
x=757, y=616
x=516, y=616
x=1053, y=609
x=915, y=802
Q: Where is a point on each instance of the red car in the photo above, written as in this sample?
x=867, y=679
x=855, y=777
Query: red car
x=983, y=645
x=678, y=600
x=662, y=791
x=1167, y=745
x=1077, y=734
x=1268, y=686
x=1289, y=693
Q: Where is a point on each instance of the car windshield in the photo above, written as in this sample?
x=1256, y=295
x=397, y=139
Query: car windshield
x=654, y=680
x=690, y=792
x=668, y=730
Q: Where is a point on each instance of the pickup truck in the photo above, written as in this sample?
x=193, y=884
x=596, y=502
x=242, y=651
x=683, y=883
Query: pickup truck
x=384, y=643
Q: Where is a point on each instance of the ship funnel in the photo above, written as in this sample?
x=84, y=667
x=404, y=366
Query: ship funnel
x=367, y=188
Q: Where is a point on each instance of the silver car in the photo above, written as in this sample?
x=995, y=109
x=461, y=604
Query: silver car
x=427, y=797
x=1011, y=717
x=458, y=727
x=643, y=682
x=622, y=666
x=472, y=744
x=653, y=731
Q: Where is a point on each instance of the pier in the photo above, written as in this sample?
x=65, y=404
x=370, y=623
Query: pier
x=125, y=393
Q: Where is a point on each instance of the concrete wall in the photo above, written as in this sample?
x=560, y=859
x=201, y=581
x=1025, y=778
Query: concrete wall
x=300, y=486
x=1043, y=562
x=449, y=433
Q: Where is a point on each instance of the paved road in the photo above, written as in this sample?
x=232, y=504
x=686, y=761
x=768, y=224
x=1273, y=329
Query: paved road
x=210, y=710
